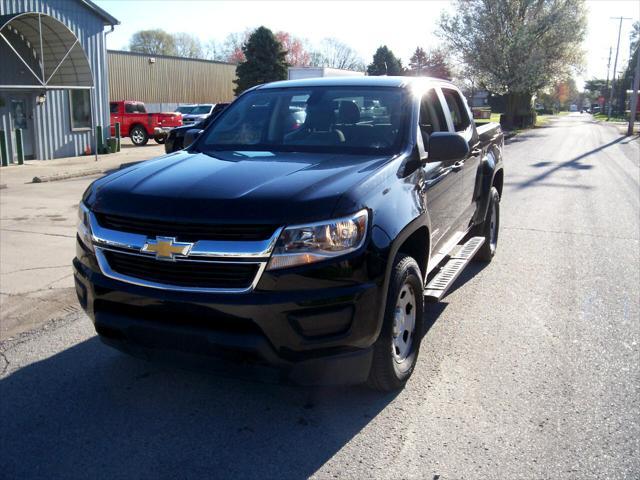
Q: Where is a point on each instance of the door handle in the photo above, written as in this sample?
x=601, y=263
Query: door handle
x=476, y=151
x=458, y=165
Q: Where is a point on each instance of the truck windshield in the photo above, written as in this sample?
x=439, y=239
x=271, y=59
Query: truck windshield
x=201, y=110
x=184, y=109
x=359, y=120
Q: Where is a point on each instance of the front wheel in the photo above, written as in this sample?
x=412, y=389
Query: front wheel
x=489, y=228
x=396, y=351
x=139, y=136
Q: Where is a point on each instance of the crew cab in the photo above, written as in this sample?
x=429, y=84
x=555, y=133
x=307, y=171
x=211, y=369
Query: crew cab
x=139, y=125
x=312, y=250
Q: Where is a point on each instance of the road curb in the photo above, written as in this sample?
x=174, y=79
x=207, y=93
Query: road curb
x=84, y=173
x=66, y=176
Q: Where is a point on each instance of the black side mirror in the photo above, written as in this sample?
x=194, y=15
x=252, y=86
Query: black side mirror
x=191, y=136
x=445, y=146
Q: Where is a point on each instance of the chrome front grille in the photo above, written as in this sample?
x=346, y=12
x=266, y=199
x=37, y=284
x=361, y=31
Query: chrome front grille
x=184, y=273
x=184, y=231
x=222, y=266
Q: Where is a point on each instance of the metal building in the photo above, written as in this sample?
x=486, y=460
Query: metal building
x=162, y=82
x=53, y=75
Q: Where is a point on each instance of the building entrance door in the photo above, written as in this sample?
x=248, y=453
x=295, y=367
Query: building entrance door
x=21, y=105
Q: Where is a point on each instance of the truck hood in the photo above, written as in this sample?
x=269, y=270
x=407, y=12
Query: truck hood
x=233, y=187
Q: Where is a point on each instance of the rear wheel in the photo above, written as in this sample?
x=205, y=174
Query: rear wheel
x=396, y=351
x=489, y=229
x=139, y=136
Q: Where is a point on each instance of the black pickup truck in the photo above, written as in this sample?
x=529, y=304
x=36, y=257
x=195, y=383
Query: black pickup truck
x=312, y=246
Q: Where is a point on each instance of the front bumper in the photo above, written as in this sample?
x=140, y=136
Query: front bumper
x=310, y=335
x=161, y=131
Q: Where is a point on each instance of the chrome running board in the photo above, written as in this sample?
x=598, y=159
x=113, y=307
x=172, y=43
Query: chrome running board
x=437, y=288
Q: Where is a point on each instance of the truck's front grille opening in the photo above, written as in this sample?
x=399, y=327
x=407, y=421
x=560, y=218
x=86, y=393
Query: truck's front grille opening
x=186, y=232
x=184, y=273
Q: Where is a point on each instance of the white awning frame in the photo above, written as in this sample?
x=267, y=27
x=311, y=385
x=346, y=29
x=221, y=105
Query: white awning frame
x=56, y=50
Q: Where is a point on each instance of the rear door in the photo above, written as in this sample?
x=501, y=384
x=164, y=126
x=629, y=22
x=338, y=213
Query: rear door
x=442, y=180
x=462, y=123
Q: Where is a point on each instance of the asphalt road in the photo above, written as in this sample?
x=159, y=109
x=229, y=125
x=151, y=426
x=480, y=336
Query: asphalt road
x=531, y=369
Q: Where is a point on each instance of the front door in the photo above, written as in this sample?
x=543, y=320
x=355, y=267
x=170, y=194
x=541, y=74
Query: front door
x=21, y=105
x=442, y=178
x=461, y=122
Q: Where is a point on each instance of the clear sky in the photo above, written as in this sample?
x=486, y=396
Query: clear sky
x=364, y=25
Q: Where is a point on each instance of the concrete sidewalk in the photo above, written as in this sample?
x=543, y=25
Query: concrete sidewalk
x=77, y=166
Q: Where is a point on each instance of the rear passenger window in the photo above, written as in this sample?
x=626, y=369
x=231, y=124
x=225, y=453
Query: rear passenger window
x=431, y=116
x=457, y=109
x=130, y=108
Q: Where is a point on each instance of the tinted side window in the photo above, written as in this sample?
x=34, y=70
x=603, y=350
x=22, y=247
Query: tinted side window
x=113, y=107
x=140, y=108
x=457, y=109
x=431, y=116
x=130, y=108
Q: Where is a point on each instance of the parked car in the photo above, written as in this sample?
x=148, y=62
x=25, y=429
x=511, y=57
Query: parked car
x=176, y=136
x=139, y=125
x=184, y=109
x=311, y=250
x=198, y=113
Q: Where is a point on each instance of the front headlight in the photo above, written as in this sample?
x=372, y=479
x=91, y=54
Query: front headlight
x=304, y=244
x=84, y=226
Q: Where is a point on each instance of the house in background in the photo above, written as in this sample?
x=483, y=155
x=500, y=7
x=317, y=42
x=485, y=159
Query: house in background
x=53, y=81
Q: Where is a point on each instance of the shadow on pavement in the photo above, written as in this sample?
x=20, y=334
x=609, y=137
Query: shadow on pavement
x=90, y=412
x=574, y=164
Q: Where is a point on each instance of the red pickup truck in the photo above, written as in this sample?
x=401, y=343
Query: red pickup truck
x=139, y=125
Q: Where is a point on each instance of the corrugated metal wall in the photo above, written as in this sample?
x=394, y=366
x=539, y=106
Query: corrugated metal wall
x=169, y=80
x=53, y=135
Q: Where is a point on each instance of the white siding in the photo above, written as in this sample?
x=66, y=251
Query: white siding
x=53, y=135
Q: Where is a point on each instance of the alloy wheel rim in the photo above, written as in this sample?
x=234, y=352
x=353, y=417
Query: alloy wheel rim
x=404, y=323
x=137, y=137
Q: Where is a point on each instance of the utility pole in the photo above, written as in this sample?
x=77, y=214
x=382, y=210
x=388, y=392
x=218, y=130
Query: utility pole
x=606, y=88
x=615, y=63
x=634, y=98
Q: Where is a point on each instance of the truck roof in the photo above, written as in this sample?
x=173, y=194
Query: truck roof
x=367, y=81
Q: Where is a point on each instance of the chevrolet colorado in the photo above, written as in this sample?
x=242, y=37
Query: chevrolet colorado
x=312, y=248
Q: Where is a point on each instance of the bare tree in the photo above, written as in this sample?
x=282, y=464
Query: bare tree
x=212, y=50
x=517, y=47
x=187, y=46
x=335, y=54
x=153, y=42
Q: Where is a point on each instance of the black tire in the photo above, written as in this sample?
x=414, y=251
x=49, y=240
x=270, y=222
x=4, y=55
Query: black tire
x=489, y=230
x=160, y=139
x=139, y=136
x=389, y=371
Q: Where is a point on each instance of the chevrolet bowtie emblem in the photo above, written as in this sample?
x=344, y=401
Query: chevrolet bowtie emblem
x=166, y=248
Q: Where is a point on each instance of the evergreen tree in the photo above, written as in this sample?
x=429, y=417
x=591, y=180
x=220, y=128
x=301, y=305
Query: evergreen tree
x=418, y=61
x=385, y=63
x=265, y=61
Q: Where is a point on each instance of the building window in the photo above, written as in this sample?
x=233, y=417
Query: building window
x=80, y=104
